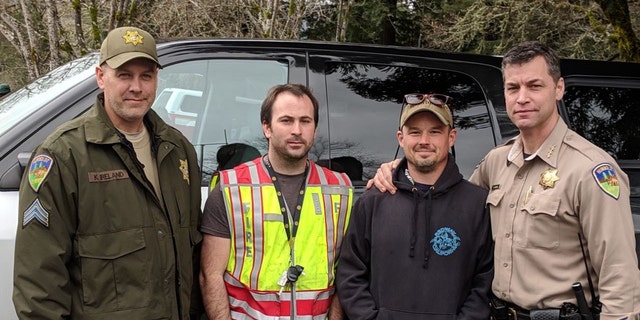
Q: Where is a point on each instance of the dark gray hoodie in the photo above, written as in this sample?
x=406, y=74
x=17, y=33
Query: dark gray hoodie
x=418, y=255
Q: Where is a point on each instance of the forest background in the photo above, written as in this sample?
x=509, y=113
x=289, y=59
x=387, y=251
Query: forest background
x=36, y=36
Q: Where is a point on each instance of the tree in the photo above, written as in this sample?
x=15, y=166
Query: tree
x=577, y=30
x=48, y=33
x=617, y=12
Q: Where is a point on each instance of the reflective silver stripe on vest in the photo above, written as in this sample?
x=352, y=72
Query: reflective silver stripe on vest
x=237, y=229
x=241, y=316
x=328, y=220
x=258, y=231
x=327, y=191
x=344, y=209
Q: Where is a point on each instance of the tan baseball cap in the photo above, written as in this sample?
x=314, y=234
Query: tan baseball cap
x=125, y=44
x=441, y=111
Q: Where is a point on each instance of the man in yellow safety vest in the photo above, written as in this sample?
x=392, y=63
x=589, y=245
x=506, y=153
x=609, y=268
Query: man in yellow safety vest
x=273, y=226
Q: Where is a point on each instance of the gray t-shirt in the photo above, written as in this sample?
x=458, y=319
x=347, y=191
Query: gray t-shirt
x=214, y=219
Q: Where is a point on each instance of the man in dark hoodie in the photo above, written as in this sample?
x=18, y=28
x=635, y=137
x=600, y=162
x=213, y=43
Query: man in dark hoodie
x=425, y=253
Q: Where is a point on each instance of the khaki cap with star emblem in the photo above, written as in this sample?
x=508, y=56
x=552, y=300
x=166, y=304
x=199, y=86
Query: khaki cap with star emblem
x=127, y=43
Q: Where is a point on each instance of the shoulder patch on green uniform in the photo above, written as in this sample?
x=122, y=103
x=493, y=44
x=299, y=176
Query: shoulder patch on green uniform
x=35, y=212
x=607, y=180
x=38, y=170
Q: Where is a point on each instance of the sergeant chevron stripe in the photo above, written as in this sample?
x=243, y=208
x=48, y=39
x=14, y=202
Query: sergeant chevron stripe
x=37, y=212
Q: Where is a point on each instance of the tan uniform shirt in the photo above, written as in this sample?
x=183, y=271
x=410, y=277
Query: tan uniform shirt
x=538, y=207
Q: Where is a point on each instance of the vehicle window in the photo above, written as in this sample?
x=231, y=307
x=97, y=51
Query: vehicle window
x=25, y=101
x=216, y=103
x=365, y=103
x=608, y=117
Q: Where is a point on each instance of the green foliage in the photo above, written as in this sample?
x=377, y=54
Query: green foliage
x=576, y=29
x=321, y=27
x=493, y=29
x=365, y=21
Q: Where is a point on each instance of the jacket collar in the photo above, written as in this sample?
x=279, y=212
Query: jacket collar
x=100, y=130
x=548, y=151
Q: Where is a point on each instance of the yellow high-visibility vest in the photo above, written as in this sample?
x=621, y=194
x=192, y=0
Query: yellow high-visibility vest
x=260, y=249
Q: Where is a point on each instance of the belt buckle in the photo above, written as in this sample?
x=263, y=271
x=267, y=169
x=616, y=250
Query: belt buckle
x=513, y=313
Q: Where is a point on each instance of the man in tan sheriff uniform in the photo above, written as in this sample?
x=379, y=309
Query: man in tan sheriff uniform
x=549, y=190
x=110, y=203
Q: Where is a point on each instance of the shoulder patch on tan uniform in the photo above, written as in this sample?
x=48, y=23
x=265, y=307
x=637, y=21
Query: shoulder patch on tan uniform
x=605, y=176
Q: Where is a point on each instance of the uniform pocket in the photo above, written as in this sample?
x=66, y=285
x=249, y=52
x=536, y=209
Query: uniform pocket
x=493, y=201
x=541, y=221
x=115, y=271
x=494, y=197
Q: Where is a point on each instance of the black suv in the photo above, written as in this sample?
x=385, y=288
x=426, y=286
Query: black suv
x=212, y=90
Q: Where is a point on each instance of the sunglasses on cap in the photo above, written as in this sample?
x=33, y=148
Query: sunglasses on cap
x=434, y=98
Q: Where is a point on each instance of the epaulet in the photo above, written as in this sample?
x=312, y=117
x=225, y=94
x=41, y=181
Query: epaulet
x=583, y=146
x=506, y=144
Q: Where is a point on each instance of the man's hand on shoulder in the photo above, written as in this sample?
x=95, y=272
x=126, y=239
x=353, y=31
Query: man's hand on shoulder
x=383, y=180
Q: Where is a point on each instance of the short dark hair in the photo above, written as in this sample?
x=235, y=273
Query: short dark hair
x=297, y=90
x=526, y=51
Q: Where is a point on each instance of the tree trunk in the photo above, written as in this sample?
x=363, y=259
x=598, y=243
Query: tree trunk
x=32, y=49
x=274, y=14
x=77, y=15
x=96, y=33
x=617, y=11
x=52, y=32
x=345, y=21
x=389, y=30
x=339, y=21
x=22, y=45
x=113, y=9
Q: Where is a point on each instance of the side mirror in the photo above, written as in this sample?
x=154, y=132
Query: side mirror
x=10, y=179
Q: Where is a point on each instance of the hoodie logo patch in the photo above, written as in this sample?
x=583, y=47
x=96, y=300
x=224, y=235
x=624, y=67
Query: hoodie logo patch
x=445, y=241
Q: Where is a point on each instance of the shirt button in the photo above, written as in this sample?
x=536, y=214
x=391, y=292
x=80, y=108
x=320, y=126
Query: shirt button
x=520, y=176
x=504, y=295
x=512, y=205
x=160, y=233
x=506, y=235
x=505, y=265
x=533, y=208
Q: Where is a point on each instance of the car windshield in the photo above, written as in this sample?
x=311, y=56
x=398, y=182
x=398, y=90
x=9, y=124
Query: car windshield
x=25, y=101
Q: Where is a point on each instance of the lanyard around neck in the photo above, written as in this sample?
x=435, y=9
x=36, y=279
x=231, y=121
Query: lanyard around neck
x=290, y=230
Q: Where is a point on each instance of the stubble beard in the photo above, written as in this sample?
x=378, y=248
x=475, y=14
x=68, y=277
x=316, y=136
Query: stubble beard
x=425, y=166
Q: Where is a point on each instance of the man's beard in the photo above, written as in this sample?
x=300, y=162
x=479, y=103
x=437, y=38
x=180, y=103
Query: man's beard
x=425, y=166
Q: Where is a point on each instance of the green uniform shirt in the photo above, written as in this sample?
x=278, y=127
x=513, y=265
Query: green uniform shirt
x=93, y=240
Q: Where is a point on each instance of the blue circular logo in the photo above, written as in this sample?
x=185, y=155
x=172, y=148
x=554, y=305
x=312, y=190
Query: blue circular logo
x=445, y=241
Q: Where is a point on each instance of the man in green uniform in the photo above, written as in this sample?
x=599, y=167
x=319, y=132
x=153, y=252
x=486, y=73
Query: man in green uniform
x=110, y=203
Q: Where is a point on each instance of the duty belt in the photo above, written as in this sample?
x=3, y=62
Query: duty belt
x=502, y=310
